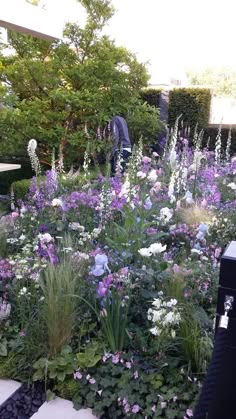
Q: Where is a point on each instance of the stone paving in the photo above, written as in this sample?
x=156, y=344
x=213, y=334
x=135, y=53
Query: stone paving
x=58, y=408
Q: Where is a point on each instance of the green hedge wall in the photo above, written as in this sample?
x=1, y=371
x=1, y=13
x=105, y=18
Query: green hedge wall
x=151, y=96
x=194, y=105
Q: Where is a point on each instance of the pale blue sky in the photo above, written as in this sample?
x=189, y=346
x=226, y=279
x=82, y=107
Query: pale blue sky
x=171, y=34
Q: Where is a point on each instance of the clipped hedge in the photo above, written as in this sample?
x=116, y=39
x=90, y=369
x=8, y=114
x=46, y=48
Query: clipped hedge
x=194, y=105
x=151, y=96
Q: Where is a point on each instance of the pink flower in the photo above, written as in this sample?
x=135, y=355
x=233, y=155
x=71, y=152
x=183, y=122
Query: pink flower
x=135, y=408
x=22, y=333
x=92, y=381
x=128, y=365
x=77, y=375
x=14, y=215
x=136, y=375
x=189, y=413
x=115, y=359
x=146, y=160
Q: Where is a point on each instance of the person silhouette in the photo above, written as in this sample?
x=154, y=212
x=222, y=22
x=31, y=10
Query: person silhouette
x=121, y=143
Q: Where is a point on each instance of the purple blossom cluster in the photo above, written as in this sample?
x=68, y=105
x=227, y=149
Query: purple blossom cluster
x=6, y=271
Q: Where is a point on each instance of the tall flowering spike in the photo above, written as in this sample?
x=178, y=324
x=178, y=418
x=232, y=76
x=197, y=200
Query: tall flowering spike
x=98, y=134
x=86, y=130
x=86, y=163
x=60, y=166
x=195, y=135
x=174, y=136
x=53, y=163
x=199, y=140
x=208, y=142
x=228, y=145
x=32, y=145
x=218, y=147
x=167, y=141
x=12, y=199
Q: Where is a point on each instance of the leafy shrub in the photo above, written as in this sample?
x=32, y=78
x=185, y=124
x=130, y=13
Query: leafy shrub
x=20, y=188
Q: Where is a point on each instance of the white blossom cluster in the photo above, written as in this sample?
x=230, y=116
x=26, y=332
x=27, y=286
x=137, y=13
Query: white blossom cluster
x=164, y=315
x=154, y=249
x=5, y=309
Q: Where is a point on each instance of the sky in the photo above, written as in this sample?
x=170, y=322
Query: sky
x=172, y=35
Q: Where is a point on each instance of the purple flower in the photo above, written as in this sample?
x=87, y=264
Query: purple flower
x=115, y=359
x=5, y=269
x=102, y=289
x=128, y=365
x=43, y=228
x=92, y=381
x=78, y=375
x=135, y=408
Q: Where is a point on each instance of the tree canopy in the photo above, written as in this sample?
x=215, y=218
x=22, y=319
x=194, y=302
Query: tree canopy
x=60, y=92
x=222, y=80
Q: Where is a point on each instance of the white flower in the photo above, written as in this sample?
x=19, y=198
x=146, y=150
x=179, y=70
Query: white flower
x=155, y=331
x=46, y=237
x=166, y=214
x=23, y=291
x=141, y=174
x=197, y=159
x=171, y=303
x=32, y=144
x=75, y=226
x=145, y=252
x=232, y=185
x=57, y=202
x=5, y=309
x=156, y=248
x=173, y=159
x=189, y=197
x=125, y=188
x=157, y=303
x=157, y=315
x=22, y=237
x=101, y=264
x=152, y=176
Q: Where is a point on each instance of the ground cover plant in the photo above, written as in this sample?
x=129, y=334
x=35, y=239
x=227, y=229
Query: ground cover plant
x=108, y=284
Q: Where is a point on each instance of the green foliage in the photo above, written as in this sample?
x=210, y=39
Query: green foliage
x=53, y=91
x=3, y=242
x=21, y=188
x=221, y=80
x=57, y=368
x=143, y=121
x=115, y=383
x=195, y=344
x=193, y=104
x=114, y=318
x=59, y=286
x=67, y=389
x=90, y=357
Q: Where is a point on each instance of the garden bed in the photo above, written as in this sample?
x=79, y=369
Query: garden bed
x=108, y=288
